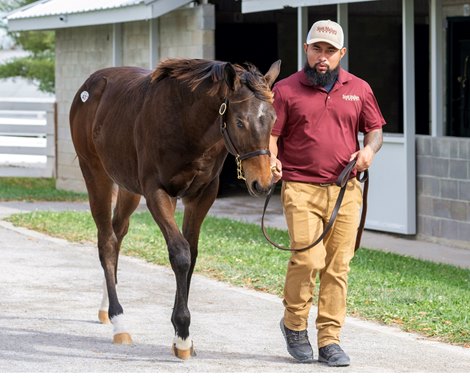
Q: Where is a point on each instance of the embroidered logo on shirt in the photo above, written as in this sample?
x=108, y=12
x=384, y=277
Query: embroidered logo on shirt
x=351, y=98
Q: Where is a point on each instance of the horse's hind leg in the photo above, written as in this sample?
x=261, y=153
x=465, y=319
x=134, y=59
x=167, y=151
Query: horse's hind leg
x=126, y=204
x=100, y=188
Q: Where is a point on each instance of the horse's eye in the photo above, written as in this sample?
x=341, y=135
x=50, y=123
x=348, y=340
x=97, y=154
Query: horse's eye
x=239, y=124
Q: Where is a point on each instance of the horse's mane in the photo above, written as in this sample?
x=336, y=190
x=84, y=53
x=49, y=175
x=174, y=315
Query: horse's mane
x=194, y=72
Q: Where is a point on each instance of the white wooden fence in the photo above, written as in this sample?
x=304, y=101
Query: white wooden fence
x=28, y=130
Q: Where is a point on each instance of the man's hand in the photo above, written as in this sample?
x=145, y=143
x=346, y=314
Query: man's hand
x=364, y=158
x=276, y=165
x=276, y=169
x=372, y=144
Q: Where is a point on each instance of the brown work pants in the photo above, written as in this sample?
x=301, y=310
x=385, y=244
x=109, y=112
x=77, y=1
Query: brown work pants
x=307, y=208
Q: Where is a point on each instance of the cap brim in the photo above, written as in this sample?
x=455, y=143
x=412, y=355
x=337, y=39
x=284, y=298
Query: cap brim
x=313, y=40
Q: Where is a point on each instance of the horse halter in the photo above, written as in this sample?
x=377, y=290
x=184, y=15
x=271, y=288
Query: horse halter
x=230, y=145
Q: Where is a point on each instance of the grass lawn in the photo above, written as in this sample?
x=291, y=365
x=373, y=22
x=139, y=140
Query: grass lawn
x=35, y=189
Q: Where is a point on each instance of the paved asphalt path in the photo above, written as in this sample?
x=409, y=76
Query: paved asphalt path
x=50, y=293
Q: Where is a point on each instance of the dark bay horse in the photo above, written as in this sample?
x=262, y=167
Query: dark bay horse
x=164, y=135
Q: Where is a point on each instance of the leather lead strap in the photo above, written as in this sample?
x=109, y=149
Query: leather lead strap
x=365, y=191
x=342, y=181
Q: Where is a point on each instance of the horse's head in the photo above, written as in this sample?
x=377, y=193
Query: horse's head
x=247, y=119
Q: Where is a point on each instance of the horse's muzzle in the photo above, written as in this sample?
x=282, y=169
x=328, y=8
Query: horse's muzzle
x=255, y=189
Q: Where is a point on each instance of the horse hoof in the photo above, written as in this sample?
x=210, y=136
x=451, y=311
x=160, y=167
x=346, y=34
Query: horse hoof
x=122, y=339
x=103, y=317
x=183, y=354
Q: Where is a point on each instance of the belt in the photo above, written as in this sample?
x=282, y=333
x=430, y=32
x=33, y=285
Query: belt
x=342, y=180
x=325, y=184
x=329, y=184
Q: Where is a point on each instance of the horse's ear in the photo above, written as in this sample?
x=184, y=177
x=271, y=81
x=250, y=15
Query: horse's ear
x=231, y=77
x=273, y=72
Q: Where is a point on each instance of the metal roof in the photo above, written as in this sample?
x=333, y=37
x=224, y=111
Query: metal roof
x=56, y=14
x=58, y=7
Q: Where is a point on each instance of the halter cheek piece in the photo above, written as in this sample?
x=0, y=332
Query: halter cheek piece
x=230, y=145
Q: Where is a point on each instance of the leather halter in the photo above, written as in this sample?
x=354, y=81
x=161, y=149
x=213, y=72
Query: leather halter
x=342, y=181
x=230, y=145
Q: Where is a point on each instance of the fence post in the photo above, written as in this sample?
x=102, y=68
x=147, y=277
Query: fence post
x=51, y=136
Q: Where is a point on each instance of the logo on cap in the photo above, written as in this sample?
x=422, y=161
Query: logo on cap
x=326, y=29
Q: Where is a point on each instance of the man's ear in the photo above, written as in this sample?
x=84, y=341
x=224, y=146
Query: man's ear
x=305, y=48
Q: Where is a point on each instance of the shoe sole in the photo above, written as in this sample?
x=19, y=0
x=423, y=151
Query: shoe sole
x=306, y=360
x=338, y=364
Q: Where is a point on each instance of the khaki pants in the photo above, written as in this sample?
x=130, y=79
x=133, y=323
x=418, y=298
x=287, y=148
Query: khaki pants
x=307, y=208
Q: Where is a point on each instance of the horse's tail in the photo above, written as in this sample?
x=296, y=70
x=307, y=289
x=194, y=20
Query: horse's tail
x=83, y=113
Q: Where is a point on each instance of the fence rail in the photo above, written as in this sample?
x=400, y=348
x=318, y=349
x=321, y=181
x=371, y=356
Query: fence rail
x=28, y=128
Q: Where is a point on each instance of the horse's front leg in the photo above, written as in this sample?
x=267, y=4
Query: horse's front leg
x=162, y=208
x=195, y=211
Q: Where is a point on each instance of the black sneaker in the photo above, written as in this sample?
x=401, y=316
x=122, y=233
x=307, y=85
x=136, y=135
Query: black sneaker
x=333, y=355
x=298, y=344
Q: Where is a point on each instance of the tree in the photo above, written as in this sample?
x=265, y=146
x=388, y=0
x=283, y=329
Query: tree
x=39, y=65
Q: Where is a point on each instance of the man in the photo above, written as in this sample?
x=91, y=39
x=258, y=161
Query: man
x=320, y=112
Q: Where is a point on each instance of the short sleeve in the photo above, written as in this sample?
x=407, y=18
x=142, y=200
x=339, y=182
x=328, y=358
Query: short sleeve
x=371, y=117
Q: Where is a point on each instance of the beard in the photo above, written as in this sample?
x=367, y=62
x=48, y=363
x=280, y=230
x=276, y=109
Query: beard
x=318, y=79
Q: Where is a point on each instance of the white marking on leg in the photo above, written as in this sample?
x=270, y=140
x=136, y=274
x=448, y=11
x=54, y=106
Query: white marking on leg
x=119, y=324
x=104, y=300
x=182, y=344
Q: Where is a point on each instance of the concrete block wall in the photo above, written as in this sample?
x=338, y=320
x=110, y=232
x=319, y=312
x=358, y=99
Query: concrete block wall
x=79, y=52
x=185, y=32
x=443, y=189
x=135, y=44
x=188, y=33
x=455, y=8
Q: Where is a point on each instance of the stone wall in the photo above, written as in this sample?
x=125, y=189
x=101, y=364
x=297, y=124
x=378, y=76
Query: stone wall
x=186, y=32
x=443, y=189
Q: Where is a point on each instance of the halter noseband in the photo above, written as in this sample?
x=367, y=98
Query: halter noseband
x=229, y=142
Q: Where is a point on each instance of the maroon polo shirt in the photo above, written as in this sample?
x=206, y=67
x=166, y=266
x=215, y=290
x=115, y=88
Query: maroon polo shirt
x=318, y=131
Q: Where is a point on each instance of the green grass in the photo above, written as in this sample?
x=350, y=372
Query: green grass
x=430, y=298
x=35, y=189
x=424, y=297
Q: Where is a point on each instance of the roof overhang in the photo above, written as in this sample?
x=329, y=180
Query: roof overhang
x=63, y=16
x=250, y=6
